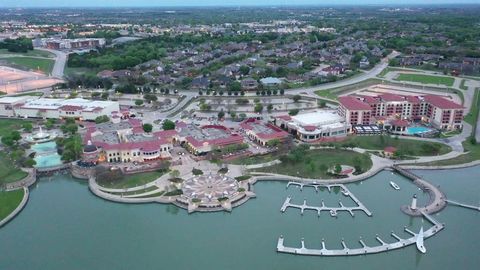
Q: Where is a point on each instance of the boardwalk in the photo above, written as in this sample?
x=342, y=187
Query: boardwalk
x=332, y=210
x=383, y=247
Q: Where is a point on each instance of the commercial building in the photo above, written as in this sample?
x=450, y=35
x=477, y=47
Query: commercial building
x=70, y=44
x=201, y=140
x=125, y=141
x=314, y=126
x=438, y=111
x=78, y=108
x=262, y=132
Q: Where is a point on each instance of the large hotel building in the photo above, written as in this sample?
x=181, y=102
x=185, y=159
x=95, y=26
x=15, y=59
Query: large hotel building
x=438, y=111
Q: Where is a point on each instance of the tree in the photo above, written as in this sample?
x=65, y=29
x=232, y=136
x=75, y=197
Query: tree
x=101, y=119
x=242, y=116
x=269, y=108
x=293, y=112
x=27, y=126
x=282, y=92
x=150, y=97
x=139, y=102
x=321, y=103
x=221, y=114
x=233, y=115
x=168, y=125
x=175, y=174
x=234, y=86
x=296, y=98
x=29, y=162
x=338, y=168
x=147, y=128
x=244, y=70
x=273, y=142
x=258, y=108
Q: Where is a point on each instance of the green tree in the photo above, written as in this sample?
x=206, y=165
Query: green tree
x=258, y=108
x=102, y=119
x=296, y=98
x=147, y=128
x=168, y=125
x=221, y=114
x=139, y=102
x=27, y=126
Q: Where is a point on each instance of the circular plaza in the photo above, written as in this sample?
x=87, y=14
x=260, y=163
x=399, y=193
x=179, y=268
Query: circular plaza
x=210, y=188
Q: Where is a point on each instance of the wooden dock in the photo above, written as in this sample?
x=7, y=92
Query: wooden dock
x=383, y=247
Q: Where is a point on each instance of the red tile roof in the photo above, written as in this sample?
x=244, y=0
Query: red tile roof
x=390, y=149
x=399, y=123
x=441, y=102
x=391, y=97
x=353, y=103
x=276, y=132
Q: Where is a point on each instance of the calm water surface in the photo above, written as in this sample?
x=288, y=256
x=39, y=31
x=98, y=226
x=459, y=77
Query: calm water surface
x=64, y=226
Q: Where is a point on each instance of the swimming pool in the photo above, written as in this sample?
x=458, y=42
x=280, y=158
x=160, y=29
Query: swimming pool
x=417, y=130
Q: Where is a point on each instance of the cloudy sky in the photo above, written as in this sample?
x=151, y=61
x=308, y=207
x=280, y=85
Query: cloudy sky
x=130, y=3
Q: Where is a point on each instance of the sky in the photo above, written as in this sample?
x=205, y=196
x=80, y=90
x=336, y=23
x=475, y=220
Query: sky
x=170, y=3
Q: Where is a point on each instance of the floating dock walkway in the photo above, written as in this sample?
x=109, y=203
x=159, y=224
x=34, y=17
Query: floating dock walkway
x=383, y=247
x=333, y=210
x=464, y=205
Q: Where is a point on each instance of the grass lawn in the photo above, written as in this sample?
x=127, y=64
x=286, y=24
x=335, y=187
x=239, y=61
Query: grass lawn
x=35, y=64
x=36, y=53
x=79, y=71
x=426, y=79
x=7, y=125
x=35, y=94
x=471, y=117
x=474, y=154
x=317, y=162
x=254, y=159
x=134, y=180
x=8, y=172
x=9, y=200
x=410, y=147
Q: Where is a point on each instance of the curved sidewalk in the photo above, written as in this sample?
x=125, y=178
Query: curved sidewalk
x=26, y=195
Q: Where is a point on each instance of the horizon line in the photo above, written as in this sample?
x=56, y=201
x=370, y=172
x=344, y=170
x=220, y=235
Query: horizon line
x=256, y=5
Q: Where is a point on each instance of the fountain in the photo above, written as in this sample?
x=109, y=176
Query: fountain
x=41, y=137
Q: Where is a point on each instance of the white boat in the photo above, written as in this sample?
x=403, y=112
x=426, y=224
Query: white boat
x=419, y=241
x=344, y=192
x=333, y=213
x=394, y=185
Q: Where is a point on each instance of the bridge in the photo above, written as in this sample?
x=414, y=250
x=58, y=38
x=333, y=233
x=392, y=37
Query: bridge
x=383, y=247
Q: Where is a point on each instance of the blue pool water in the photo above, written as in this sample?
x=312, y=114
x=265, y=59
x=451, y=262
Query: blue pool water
x=47, y=155
x=417, y=130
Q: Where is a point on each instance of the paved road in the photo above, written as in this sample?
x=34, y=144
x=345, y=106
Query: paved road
x=60, y=61
x=353, y=80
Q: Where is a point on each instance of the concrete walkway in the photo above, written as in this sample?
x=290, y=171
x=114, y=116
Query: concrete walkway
x=23, y=202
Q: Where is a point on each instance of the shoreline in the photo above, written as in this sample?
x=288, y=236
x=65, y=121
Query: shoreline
x=14, y=213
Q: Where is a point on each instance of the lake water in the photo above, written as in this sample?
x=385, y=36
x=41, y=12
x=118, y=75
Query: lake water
x=64, y=226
